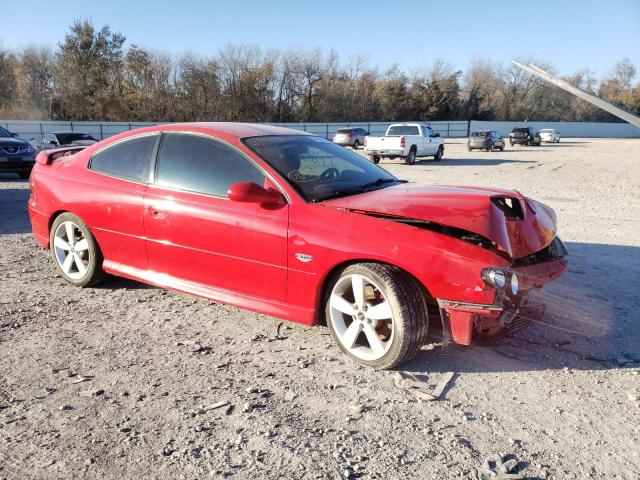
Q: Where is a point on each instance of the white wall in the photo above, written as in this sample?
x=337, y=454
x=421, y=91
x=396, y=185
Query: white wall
x=566, y=129
x=31, y=129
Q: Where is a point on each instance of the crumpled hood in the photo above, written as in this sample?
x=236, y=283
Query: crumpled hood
x=517, y=225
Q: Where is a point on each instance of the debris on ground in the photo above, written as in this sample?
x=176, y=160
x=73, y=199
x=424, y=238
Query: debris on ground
x=410, y=383
x=497, y=467
x=215, y=406
x=91, y=393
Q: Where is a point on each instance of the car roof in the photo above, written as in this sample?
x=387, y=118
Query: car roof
x=239, y=130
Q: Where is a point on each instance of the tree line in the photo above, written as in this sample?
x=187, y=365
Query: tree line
x=91, y=76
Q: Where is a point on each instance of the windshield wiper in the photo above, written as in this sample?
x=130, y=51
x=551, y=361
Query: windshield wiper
x=381, y=181
x=359, y=189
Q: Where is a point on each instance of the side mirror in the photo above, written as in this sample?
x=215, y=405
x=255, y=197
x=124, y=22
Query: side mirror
x=253, y=193
x=15, y=135
x=437, y=135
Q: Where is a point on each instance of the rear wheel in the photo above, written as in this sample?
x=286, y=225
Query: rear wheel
x=375, y=158
x=75, y=251
x=439, y=154
x=411, y=158
x=377, y=314
x=502, y=147
x=356, y=144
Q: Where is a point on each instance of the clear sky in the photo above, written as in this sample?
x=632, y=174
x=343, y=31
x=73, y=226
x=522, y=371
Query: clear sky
x=571, y=34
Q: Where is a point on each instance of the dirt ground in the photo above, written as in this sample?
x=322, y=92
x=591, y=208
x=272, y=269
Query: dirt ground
x=123, y=380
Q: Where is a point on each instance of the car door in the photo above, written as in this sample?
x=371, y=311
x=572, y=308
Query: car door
x=430, y=147
x=117, y=177
x=195, y=233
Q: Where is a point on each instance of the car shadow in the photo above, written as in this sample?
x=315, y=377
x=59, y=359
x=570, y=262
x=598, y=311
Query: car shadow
x=469, y=162
x=590, y=322
x=14, y=217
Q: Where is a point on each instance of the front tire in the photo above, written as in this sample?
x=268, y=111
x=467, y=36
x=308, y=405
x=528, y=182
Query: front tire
x=377, y=314
x=75, y=251
x=375, y=158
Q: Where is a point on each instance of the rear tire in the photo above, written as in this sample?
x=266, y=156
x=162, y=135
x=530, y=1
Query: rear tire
x=502, y=148
x=375, y=158
x=75, y=251
x=356, y=145
x=439, y=154
x=384, y=325
x=411, y=158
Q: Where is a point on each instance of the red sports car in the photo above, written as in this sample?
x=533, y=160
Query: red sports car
x=291, y=225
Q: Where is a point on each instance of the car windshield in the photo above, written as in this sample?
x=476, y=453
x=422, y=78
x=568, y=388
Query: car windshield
x=546, y=130
x=344, y=130
x=317, y=168
x=521, y=130
x=66, y=138
x=4, y=132
x=479, y=134
x=398, y=130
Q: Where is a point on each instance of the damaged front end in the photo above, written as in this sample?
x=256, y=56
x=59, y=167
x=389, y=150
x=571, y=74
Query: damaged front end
x=512, y=307
x=475, y=297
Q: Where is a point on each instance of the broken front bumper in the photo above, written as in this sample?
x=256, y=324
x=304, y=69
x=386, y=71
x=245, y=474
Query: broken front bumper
x=461, y=319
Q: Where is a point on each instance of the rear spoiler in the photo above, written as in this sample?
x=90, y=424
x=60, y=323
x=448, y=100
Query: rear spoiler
x=46, y=157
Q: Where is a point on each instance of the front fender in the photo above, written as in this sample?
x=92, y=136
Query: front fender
x=447, y=267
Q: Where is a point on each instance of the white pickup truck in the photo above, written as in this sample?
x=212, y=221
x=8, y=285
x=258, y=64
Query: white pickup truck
x=405, y=140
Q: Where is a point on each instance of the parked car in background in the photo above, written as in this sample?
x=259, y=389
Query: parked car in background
x=405, y=140
x=524, y=136
x=291, y=225
x=352, y=137
x=550, y=135
x=16, y=155
x=485, y=140
x=63, y=139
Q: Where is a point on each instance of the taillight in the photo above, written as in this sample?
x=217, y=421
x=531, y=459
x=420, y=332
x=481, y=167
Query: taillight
x=401, y=142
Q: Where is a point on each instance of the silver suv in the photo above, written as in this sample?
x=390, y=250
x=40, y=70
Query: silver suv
x=352, y=137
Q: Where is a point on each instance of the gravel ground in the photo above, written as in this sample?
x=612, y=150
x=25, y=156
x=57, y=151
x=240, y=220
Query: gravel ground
x=125, y=380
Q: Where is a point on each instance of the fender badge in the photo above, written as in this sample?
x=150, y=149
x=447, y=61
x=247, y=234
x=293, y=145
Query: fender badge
x=304, y=257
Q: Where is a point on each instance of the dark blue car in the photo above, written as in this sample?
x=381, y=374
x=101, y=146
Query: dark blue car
x=16, y=155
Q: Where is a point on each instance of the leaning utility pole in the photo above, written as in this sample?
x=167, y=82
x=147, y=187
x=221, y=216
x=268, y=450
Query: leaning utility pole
x=598, y=102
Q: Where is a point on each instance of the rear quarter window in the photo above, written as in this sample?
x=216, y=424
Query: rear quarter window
x=128, y=159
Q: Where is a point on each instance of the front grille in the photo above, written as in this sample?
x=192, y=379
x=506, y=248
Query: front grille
x=14, y=149
x=556, y=249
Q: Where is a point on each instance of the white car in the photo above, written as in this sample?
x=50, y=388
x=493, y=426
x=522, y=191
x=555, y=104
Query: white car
x=549, y=135
x=405, y=140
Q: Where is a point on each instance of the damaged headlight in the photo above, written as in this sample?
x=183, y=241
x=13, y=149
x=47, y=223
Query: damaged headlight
x=494, y=277
x=499, y=278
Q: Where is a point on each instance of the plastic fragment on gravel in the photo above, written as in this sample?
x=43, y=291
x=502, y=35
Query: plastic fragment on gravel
x=290, y=396
x=215, y=406
x=493, y=468
x=411, y=384
x=91, y=393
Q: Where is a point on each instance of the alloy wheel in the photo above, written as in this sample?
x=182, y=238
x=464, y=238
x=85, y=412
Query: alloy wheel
x=362, y=317
x=71, y=250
